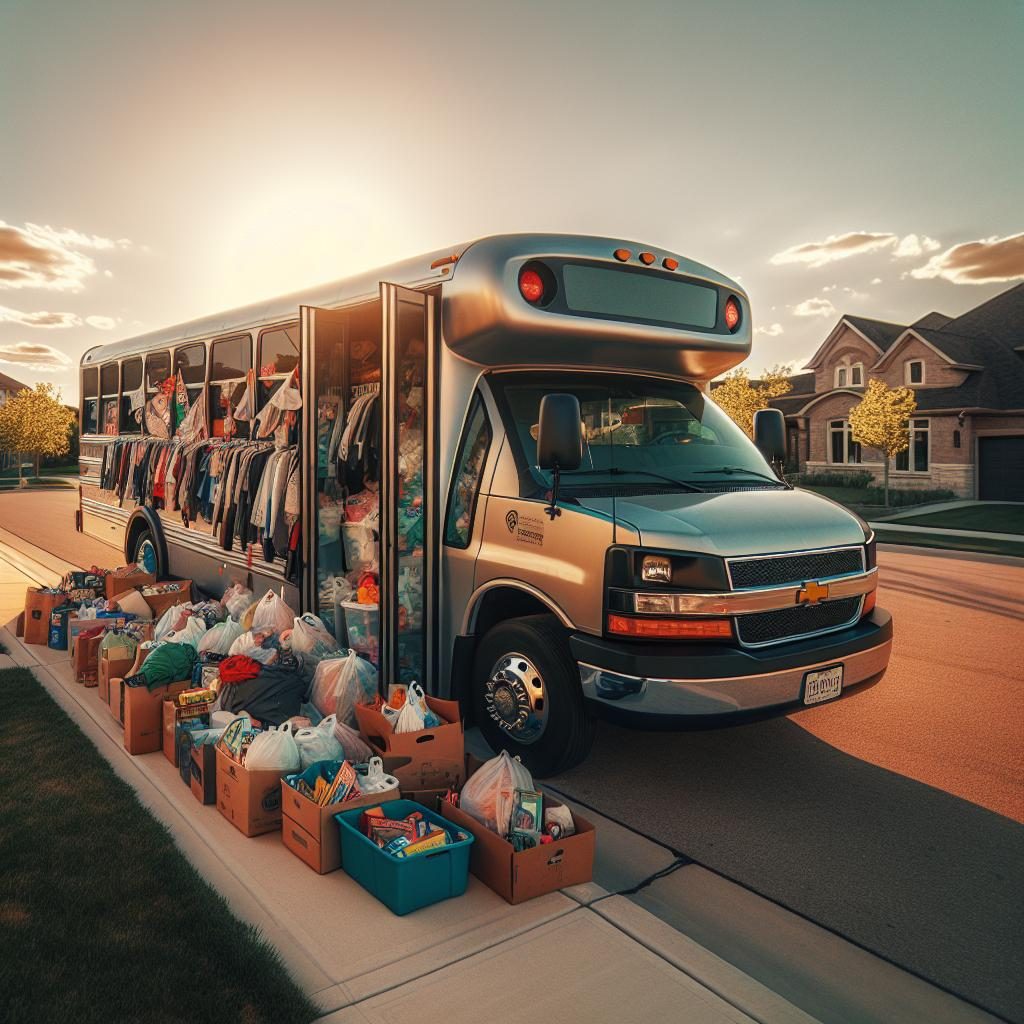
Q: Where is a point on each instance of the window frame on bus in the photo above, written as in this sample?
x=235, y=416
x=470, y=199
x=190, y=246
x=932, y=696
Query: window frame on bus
x=110, y=396
x=241, y=429
x=264, y=386
x=94, y=397
x=471, y=432
x=127, y=424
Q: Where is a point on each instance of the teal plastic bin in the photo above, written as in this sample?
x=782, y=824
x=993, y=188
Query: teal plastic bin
x=404, y=884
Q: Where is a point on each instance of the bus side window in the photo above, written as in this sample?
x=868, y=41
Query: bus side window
x=278, y=356
x=476, y=440
x=110, y=398
x=191, y=362
x=90, y=400
x=131, y=382
x=230, y=361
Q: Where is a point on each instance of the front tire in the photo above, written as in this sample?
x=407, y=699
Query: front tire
x=527, y=697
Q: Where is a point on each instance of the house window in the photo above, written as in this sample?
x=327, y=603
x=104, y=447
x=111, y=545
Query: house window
x=915, y=458
x=842, y=449
x=914, y=371
x=956, y=438
x=840, y=376
x=857, y=375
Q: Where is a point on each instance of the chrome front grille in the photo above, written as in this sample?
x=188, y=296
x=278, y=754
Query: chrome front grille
x=801, y=620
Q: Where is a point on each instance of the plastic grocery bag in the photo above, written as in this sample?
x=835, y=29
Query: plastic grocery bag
x=357, y=685
x=218, y=639
x=247, y=644
x=323, y=692
x=236, y=600
x=319, y=743
x=311, y=637
x=374, y=780
x=191, y=633
x=357, y=750
x=272, y=613
x=414, y=715
x=167, y=621
x=489, y=792
x=276, y=749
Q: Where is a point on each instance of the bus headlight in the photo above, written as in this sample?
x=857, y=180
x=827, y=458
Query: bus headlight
x=656, y=569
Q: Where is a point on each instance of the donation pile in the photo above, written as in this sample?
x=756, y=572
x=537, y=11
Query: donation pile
x=406, y=837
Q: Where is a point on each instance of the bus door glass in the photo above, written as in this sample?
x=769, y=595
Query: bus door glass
x=341, y=354
x=409, y=505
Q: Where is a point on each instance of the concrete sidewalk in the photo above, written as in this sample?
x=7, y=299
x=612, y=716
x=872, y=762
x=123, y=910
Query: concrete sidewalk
x=585, y=953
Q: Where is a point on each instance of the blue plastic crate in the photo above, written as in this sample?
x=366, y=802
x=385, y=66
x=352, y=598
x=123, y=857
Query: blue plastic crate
x=404, y=884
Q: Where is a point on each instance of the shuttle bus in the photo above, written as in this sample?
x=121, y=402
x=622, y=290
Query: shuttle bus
x=497, y=470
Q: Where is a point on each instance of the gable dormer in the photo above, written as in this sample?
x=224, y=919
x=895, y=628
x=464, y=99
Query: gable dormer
x=845, y=358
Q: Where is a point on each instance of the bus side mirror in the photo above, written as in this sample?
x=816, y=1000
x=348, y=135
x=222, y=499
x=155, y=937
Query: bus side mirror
x=559, y=438
x=770, y=435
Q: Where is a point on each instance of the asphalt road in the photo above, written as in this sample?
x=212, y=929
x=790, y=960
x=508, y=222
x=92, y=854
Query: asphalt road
x=893, y=816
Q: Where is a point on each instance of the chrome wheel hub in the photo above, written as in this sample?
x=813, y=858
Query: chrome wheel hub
x=515, y=698
x=147, y=556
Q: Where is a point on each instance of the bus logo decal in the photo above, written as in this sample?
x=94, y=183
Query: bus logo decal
x=512, y=520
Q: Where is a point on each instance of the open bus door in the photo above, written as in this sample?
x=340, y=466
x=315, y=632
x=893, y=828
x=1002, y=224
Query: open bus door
x=409, y=506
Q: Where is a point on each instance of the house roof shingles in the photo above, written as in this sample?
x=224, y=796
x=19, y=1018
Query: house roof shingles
x=10, y=384
x=879, y=332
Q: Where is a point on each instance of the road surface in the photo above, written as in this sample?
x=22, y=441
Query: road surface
x=892, y=817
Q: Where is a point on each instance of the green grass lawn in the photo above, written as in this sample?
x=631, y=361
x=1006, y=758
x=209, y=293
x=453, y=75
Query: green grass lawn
x=101, y=917
x=986, y=545
x=70, y=469
x=991, y=518
x=844, y=495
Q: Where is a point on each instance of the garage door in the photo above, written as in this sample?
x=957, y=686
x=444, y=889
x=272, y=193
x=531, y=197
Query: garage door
x=1001, y=468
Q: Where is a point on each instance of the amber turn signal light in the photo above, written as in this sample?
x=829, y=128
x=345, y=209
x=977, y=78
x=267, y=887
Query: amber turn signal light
x=869, y=602
x=670, y=629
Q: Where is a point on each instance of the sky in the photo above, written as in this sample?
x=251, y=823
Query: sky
x=163, y=161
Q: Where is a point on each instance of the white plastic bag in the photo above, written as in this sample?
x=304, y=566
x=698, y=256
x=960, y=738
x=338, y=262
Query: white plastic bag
x=356, y=685
x=414, y=715
x=374, y=781
x=167, y=621
x=489, y=793
x=191, y=633
x=324, y=689
x=236, y=600
x=311, y=637
x=318, y=744
x=275, y=749
x=246, y=644
x=219, y=638
x=357, y=750
x=272, y=613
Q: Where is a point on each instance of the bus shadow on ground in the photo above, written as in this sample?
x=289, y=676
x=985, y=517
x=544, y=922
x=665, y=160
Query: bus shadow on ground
x=925, y=879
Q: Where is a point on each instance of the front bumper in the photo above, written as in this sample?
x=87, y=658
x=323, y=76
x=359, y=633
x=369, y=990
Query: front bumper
x=684, y=683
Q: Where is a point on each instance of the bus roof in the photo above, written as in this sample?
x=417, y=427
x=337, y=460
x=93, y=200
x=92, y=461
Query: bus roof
x=477, y=270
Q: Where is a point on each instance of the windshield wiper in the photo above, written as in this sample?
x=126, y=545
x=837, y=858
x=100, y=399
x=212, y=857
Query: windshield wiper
x=616, y=471
x=729, y=470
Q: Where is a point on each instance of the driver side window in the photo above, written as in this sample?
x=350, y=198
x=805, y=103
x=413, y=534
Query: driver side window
x=476, y=442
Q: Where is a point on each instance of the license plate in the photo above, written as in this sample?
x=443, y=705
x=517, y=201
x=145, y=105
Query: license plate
x=823, y=685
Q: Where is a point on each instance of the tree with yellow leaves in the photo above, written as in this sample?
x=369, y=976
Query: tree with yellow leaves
x=739, y=397
x=882, y=420
x=36, y=422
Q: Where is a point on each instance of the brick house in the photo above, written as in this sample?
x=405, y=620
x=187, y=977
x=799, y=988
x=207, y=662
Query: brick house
x=967, y=373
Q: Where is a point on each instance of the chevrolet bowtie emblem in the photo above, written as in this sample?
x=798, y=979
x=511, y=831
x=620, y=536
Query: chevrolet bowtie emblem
x=812, y=592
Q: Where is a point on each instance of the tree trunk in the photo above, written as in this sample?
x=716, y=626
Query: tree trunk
x=17, y=455
x=887, y=481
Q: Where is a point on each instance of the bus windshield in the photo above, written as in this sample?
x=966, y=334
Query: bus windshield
x=636, y=429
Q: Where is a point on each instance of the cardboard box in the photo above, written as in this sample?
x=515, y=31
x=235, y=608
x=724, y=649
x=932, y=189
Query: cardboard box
x=115, y=585
x=517, y=877
x=425, y=760
x=143, y=715
x=159, y=603
x=195, y=717
x=203, y=773
x=111, y=668
x=251, y=801
x=86, y=659
x=311, y=832
x=37, y=615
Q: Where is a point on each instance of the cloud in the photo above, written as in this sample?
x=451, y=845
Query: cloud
x=855, y=243
x=40, y=319
x=771, y=331
x=984, y=261
x=38, y=256
x=45, y=358
x=814, y=307
x=835, y=247
x=911, y=245
x=102, y=323
x=876, y=280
